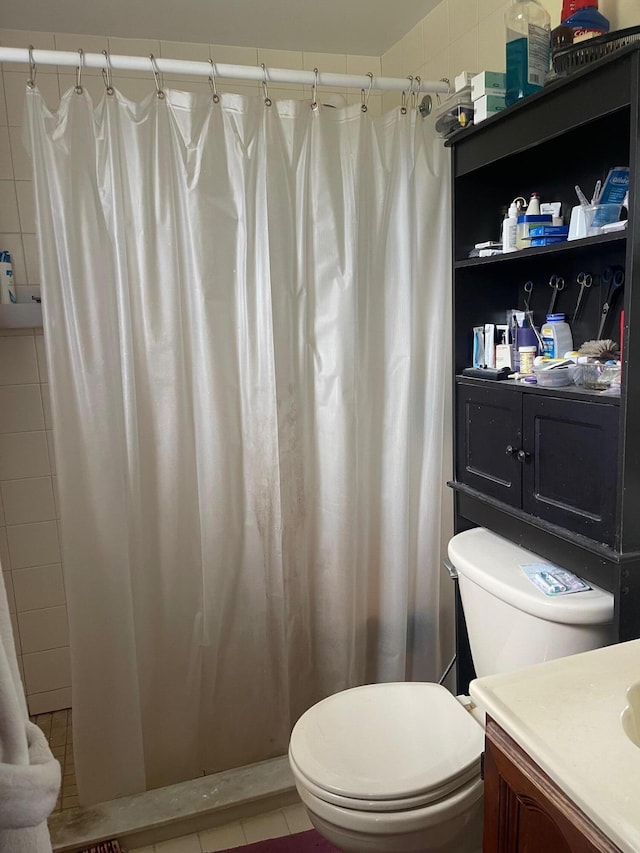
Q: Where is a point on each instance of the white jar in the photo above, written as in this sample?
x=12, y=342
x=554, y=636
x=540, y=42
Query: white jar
x=527, y=355
x=556, y=336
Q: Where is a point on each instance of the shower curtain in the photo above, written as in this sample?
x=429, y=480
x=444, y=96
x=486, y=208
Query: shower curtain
x=246, y=315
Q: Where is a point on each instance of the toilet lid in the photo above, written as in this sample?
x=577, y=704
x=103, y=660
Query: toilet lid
x=387, y=742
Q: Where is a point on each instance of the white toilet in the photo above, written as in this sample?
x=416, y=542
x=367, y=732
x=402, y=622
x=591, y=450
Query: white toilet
x=394, y=768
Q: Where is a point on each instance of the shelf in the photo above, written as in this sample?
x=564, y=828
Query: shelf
x=558, y=248
x=21, y=316
x=573, y=392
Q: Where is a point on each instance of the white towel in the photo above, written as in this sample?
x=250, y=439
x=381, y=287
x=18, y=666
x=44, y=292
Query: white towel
x=29, y=774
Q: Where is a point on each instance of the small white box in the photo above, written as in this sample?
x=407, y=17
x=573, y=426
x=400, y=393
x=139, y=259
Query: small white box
x=487, y=106
x=488, y=83
x=463, y=80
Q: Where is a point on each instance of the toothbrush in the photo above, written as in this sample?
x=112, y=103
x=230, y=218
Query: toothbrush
x=596, y=192
x=581, y=197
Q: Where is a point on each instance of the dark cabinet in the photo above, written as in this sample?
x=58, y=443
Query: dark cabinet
x=525, y=811
x=553, y=457
x=556, y=470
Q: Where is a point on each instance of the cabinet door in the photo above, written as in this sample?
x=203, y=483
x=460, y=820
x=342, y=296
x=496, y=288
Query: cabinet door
x=569, y=475
x=525, y=811
x=488, y=438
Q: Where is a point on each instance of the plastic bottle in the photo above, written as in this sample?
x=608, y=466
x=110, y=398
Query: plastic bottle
x=584, y=19
x=7, y=286
x=510, y=227
x=556, y=336
x=527, y=355
x=533, y=208
x=528, y=28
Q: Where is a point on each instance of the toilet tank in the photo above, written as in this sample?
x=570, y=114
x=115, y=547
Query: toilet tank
x=510, y=622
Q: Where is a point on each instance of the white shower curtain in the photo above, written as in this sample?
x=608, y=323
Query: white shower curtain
x=246, y=315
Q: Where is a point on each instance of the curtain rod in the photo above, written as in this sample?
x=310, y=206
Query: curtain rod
x=73, y=59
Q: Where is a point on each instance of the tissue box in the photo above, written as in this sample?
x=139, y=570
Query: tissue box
x=488, y=82
x=487, y=106
x=463, y=80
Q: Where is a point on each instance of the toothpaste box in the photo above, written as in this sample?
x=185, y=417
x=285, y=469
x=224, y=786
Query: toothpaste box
x=488, y=82
x=487, y=106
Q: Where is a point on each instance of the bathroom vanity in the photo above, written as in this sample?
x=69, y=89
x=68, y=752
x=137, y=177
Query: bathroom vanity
x=561, y=766
x=553, y=469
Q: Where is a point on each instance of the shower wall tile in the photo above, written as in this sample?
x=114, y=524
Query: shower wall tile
x=31, y=258
x=228, y=54
x=19, y=155
x=3, y=109
x=280, y=58
x=43, y=629
x=23, y=38
x=136, y=47
x=18, y=364
x=5, y=562
x=23, y=454
x=39, y=587
x=41, y=358
x=33, y=544
x=9, y=218
x=20, y=408
x=7, y=577
x=6, y=165
x=89, y=44
x=47, y=670
x=51, y=700
x=26, y=206
x=13, y=244
x=28, y=501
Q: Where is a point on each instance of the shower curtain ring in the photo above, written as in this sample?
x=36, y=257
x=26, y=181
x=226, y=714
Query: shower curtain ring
x=31, y=82
x=106, y=73
x=403, y=107
x=215, y=97
x=365, y=95
x=156, y=76
x=414, y=103
x=78, y=88
x=314, y=91
x=267, y=99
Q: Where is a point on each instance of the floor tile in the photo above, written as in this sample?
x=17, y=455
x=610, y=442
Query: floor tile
x=185, y=844
x=261, y=827
x=297, y=818
x=149, y=849
x=222, y=837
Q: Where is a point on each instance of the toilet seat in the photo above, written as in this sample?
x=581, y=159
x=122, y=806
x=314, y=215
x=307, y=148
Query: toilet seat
x=386, y=747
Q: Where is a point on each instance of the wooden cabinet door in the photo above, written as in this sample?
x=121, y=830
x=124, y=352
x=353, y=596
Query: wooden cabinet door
x=570, y=472
x=525, y=811
x=488, y=437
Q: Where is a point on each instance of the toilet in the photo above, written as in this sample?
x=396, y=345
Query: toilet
x=395, y=768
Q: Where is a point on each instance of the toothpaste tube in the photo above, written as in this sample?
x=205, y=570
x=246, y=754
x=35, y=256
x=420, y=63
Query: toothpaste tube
x=7, y=286
x=553, y=580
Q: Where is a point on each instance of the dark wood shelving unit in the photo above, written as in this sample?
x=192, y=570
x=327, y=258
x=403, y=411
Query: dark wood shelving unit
x=556, y=470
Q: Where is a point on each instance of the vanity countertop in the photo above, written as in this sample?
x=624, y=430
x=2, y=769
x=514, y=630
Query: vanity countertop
x=566, y=715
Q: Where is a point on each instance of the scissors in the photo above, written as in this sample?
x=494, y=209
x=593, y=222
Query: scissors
x=528, y=288
x=585, y=280
x=613, y=278
x=557, y=283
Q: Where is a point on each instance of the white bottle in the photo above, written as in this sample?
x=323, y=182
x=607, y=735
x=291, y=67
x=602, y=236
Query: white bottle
x=7, y=286
x=509, y=228
x=533, y=208
x=556, y=336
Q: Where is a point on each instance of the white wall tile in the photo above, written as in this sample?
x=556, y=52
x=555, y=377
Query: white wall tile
x=31, y=258
x=52, y=700
x=297, y=818
x=23, y=455
x=3, y=109
x=463, y=16
x=8, y=585
x=185, y=50
x=33, y=545
x=392, y=61
x=2, y=521
x=27, y=501
x=46, y=405
x=435, y=31
x=22, y=168
x=16, y=633
x=6, y=164
x=184, y=844
x=26, y=206
x=280, y=58
x=412, y=51
x=20, y=408
x=361, y=64
x=41, y=358
x=336, y=63
x=463, y=54
x=47, y=670
x=136, y=47
x=18, y=365
x=56, y=500
x=43, y=629
x=491, y=42
x=9, y=218
x=15, y=86
x=40, y=586
x=5, y=562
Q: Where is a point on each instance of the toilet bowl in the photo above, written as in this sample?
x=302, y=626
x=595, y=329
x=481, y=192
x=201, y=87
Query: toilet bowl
x=395, y=768
x=400, y=770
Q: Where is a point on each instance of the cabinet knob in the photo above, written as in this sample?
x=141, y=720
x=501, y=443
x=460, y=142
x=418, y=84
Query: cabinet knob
x=510, y=450
x=523, y=455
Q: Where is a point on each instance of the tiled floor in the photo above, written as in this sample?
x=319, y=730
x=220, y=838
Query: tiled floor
x=287, y=821
x=57, y=728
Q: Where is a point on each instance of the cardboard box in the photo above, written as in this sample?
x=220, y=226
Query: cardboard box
x=487, y=83
x=487, y=106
